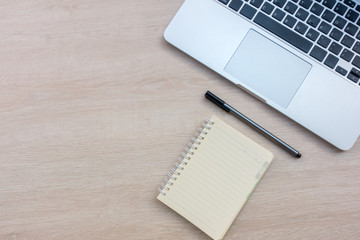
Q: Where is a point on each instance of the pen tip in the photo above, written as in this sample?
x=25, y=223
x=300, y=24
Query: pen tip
x=298, y=155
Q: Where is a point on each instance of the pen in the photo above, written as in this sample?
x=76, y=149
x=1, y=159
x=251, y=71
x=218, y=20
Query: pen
x=227, y=108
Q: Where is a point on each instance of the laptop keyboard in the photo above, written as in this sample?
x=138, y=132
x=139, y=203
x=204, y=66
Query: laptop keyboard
x=326, y=30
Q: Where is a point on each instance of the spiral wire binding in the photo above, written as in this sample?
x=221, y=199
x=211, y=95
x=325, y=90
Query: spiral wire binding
x=185, y=157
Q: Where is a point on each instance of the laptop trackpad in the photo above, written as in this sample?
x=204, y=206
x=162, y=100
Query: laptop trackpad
x=267, y=68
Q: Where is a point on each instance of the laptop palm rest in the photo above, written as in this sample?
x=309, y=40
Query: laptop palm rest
x=268, y=69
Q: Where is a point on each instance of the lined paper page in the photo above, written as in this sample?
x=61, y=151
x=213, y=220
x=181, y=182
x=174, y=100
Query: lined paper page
x=221, y=174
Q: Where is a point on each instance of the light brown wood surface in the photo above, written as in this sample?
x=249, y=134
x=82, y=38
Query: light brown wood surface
x=95, y=108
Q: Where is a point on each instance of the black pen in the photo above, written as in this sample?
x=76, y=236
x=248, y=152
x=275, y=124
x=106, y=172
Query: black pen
x=226, y=107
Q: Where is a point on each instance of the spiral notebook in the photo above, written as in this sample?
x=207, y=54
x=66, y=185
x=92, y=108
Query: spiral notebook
x=215, y=176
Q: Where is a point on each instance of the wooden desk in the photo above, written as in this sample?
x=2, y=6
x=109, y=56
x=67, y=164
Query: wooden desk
x=94, y=109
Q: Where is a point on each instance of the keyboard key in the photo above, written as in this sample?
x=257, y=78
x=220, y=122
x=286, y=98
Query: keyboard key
x=317, y=9
x=278, y=14
x=235, y=5
x=318, y=53
x=356, y=61
x=335, y=48
x=324, y=27
x=289, y=21
x=224, y=1
x=339, y=22
x=312, y=34
x=356, y=47
x=349, y=3
x=279, y=3
x=341, y=70
x=290, y=8
x=305, y=3
x=352, y=15
x=347, y=55
x=328, y=16
x=329, y=3
x=331, y=61
x=340, y=9
x=248, y=11
x=324, y=41
x=301, y=28
x=355, y=72
x=336, y=34
x=283, y=32
x=267, y=8
x=347, y=41
x=351, y=29
x=256, y=3
x=313, y=21
x=353, y=78
x=301, y=14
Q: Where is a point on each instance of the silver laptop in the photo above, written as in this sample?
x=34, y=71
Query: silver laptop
x=301, y=57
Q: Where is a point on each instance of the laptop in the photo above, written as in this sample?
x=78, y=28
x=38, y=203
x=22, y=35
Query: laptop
x=301, y=57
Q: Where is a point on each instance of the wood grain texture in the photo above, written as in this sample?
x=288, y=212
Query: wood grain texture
x=94, y=109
